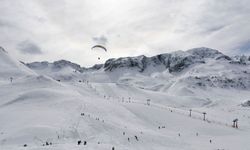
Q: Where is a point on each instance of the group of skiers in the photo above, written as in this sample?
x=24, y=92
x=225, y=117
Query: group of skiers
x=98, y=119
x=47, y=143
x=163, y=127
x=136, y=138
x=79, y=142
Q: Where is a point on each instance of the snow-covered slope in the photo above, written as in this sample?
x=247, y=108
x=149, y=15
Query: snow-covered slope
x=10, y=67
x=136, y=103
x=182, y=74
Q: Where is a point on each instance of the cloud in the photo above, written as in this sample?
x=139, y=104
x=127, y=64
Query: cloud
x=28, y=47
x=102, y=40
x=67, y=29
x=3, y=24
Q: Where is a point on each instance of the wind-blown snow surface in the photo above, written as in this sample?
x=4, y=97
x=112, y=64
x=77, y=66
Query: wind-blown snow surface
x=105, y=105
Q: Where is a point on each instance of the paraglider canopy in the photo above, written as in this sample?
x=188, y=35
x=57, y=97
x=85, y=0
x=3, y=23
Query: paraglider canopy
x=99, y=46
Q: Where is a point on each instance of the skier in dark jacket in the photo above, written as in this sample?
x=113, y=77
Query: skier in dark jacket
x=79, y=142
x=136, y=138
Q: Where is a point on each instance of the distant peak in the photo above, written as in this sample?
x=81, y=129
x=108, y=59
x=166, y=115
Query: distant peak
x=204, y=52
x=203, y=49
x=62, y=61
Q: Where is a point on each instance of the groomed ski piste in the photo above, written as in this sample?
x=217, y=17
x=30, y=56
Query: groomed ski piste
x=122, y=110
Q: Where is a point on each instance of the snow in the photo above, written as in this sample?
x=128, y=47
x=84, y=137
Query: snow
x=45, y=101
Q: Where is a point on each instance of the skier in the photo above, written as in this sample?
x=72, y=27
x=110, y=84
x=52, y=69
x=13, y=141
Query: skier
x=113, y=148
x=136, y=138
x=79, y=142
x=128, y=140
x=85, y=143
x=123, y=133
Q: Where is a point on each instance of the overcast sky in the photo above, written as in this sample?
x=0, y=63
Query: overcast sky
x=35, y=30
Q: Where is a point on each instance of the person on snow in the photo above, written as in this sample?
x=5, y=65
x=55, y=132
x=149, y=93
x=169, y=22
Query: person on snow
x=79, y=142
x=136, y=138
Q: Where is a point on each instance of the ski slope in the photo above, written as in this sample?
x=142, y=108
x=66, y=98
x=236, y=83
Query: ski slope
x=108, y=109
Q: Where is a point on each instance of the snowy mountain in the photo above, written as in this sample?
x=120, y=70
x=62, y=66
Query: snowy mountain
x=175, y=62
x=202, y=67
x=136, y=103
x=57, y=65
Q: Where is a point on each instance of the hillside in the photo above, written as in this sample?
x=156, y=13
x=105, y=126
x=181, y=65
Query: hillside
x=139, y=103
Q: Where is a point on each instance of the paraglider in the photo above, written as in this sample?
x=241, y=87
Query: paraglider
x=99, y=47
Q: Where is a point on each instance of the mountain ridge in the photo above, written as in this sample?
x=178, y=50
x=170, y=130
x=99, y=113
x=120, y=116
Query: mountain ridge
x=174, y=61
